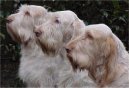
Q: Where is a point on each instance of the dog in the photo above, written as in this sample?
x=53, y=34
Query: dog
x=20, y=27
x=51, y=36
x=102, y=54
x=58, y=29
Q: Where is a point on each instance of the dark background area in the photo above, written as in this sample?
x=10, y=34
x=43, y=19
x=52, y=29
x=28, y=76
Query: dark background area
x=113, y=13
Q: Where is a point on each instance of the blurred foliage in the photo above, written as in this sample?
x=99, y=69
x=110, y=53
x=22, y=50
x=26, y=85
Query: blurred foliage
x=114, y=13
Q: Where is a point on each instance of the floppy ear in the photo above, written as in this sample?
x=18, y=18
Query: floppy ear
x=109, y=47
x=78, y=26
x=106, y=61
x=110, y=59
x=76, y=29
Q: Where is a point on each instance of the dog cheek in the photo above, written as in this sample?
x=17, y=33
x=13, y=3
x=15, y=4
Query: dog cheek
x=83, y=60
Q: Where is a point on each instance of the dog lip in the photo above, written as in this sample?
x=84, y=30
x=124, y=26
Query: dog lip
x=73, y=63
x=69, y=55
x=8, y=26
x=8, y=20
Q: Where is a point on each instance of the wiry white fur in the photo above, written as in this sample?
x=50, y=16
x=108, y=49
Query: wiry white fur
x=78, y=27
x=56, y=32
x=34, y=67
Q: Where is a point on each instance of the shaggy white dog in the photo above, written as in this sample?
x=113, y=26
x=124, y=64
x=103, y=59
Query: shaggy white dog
x=36, y=68
x=51, y=36
x=20, y=26
x=100, y=52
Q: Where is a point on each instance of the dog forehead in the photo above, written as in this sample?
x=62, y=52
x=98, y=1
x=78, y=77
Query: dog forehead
x=99, y=28
x=65, y=15
x=33, y=9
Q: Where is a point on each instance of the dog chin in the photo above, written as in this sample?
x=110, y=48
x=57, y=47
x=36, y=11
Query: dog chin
x=48, y=50
x=14, y=35
x=75, y=65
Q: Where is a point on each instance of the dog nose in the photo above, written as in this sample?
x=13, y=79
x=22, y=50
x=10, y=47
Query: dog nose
x=9, y=20
x=67, y=50
x=38, y=33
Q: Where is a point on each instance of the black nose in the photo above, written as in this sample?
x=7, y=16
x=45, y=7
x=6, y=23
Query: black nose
x=38, y=33
x=8, y=20
x=68, y=50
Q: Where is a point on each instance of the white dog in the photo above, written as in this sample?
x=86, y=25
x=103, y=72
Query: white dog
x=100, y=52
x=20, y=26
x=51, y=36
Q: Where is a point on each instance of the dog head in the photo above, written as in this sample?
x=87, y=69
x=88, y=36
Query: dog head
x=21, y=24
x=94, y=47
x=58, y=29
x=100, y=52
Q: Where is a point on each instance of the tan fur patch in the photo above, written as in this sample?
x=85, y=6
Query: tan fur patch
x=111, y=53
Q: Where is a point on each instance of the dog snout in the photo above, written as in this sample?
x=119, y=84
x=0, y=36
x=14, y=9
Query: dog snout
x=68, y=50
x=38, y=33
x=9, y=19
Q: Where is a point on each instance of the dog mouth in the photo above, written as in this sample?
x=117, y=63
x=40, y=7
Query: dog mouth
x=14, y=35
x=74, y=64
x=38, y=34
x=8, y=26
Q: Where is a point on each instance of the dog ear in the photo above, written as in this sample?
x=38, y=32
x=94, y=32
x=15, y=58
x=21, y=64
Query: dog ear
x=109, y=47
x=78, y=26
x=107, y=59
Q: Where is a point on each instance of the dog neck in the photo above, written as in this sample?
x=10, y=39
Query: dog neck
x=30, y=48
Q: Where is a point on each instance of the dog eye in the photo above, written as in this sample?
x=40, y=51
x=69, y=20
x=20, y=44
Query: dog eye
x=57, y=21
